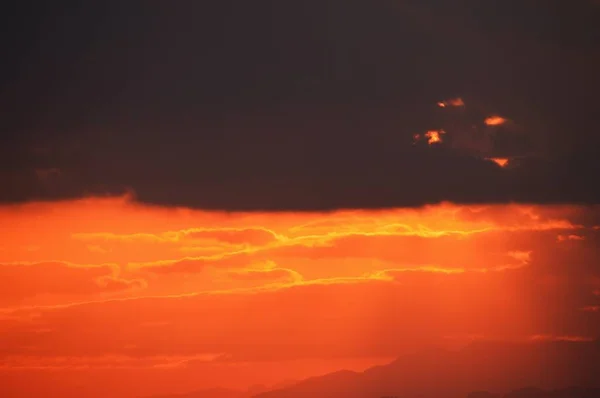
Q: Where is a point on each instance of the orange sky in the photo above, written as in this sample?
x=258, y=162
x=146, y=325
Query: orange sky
x=108, y=293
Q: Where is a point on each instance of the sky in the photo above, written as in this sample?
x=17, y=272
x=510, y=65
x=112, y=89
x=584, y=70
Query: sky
x=235, y=193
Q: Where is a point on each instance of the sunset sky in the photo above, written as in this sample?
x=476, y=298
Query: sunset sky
x=244, y=193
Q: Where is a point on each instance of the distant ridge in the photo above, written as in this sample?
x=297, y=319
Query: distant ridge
x=475, y=369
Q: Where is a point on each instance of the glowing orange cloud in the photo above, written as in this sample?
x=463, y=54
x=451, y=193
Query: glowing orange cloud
x=470, y=138
x=453, y=102
x=502, y=162
x=119, y=293
x=433, y=136
x=495, y=121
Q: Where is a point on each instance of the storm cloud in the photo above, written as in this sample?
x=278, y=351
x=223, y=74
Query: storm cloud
x=302, y=105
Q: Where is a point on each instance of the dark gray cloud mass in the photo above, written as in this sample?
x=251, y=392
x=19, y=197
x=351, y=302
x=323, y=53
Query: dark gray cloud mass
x=300, y=104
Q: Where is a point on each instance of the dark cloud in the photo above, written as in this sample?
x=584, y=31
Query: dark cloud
x=299, y=105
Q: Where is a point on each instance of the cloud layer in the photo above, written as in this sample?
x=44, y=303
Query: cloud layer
x=109, y=287
x=312, y=107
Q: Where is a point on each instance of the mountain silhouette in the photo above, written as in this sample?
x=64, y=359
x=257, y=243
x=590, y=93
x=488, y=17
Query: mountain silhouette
x=225, y=392
x=479, y=367
x=483, y=394
x=210, y=393
x=570, y=392
x=533, y=392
